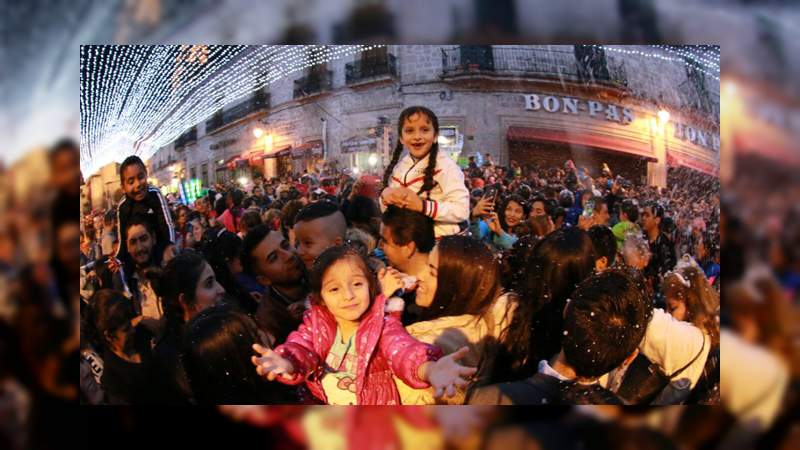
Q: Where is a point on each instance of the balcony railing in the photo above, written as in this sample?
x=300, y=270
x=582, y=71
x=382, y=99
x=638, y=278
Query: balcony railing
x=557, y=64
x=186, y=138
x=313, y=83
x=258, y=100
x=365, y=69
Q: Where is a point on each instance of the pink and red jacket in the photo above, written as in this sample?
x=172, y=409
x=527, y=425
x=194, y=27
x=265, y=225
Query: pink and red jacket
x=383, y=346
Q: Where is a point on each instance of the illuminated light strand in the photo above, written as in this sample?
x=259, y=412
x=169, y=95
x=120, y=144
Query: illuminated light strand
x=699, y=59
x=703, y=69
x=150, y=95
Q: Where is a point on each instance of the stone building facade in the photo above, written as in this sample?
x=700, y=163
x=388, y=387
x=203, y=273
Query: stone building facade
x=533, y=104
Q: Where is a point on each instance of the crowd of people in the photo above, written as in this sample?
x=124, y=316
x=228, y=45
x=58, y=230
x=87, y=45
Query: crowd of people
x=431, y=284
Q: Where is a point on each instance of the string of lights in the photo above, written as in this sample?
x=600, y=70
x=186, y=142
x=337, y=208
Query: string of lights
x=703, y=64
x=135, y=99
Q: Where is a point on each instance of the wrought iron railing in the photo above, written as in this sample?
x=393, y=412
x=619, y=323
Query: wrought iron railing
x=257, y=101
x=364, y=69
x=314, y=83
x=541, y=62
x=186, y=138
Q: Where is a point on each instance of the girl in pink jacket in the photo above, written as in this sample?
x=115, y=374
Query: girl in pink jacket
x=348, y=348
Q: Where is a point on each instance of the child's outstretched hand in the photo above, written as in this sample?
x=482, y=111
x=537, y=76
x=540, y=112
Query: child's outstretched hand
x=270, y=364
x=446, y=375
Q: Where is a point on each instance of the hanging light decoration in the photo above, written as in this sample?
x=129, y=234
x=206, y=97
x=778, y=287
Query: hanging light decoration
x=135, y=99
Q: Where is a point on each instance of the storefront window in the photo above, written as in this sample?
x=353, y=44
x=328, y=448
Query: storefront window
x=451, y=141
x=366, y=162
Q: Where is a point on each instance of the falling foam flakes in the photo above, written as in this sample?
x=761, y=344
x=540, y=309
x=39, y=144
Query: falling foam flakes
x=592, y=313
x=566, y=332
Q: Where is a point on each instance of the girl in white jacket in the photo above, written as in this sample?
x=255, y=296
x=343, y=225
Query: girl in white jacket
x=425, y=180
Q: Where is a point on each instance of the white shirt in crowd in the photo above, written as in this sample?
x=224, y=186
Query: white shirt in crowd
x=671, y=344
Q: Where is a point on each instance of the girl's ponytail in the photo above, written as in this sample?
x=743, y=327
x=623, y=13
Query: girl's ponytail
x=427, y=184
x=398, y=149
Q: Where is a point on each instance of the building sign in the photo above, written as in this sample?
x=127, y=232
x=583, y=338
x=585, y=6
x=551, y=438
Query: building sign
x=568, y=105
x=222, y=144
x=697, y=137
x=360, y=144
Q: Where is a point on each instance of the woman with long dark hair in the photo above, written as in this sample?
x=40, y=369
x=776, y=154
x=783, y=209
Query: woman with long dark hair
x=186, y=287
x=500, y=227
x=217, y=354
x=223, y=251
x=560, y=262
x=469, y=310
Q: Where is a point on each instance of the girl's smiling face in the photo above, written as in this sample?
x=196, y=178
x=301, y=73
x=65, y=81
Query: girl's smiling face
x=418, y=135
x=345, y=291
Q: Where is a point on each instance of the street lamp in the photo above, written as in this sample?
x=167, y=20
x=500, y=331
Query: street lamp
x=663, y=117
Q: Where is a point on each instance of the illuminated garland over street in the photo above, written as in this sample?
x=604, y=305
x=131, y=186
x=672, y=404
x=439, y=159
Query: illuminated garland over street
x=135, y=99
x=705, y=59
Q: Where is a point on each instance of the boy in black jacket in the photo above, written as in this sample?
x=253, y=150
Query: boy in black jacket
x=145, y=200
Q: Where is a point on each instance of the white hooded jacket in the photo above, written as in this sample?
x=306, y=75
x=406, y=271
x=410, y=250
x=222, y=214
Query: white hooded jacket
x=447, y=203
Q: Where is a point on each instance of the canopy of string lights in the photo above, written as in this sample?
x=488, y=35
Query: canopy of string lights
x=135, y=99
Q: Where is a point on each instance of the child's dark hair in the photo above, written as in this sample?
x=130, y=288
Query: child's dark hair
x=217, y=359
x=605, y=244
x=427, y=183
x=109, y=310
x=407, y=225
x=328, y=258
x=315, y=211
x=129, y=161
x=180, y=276
x=604, y=323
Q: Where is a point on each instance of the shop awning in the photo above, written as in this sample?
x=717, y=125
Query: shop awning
x=675, y=159
x=283, y=151
x=599, y=141
x=228, y=163
x=310, y=148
